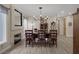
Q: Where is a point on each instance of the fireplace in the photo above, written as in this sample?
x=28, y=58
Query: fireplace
x=17, y=38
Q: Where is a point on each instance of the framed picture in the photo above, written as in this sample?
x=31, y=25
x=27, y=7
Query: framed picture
x=18, y=18
x=70, y=23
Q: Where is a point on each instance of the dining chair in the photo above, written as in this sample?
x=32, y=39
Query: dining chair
x=29, y=36
x=41, y=37
x=53, y=37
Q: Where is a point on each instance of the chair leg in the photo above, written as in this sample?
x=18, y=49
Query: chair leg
x=26, y=43
x=45, y=44
x=53, y=42
x=56, y=43
x=29, y=42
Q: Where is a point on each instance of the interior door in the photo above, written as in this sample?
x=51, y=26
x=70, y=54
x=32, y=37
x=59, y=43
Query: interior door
x=76, y=33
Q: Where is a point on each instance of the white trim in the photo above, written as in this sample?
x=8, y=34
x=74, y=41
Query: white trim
x=2, y=42
x=4, y=15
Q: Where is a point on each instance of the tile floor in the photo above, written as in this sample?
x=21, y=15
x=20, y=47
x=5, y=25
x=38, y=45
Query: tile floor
x=65, y=46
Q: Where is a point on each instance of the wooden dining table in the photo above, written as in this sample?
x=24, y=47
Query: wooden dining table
x=35, y=35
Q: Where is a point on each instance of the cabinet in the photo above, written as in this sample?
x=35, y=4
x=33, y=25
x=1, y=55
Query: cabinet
x=76, y=33
x=44, y=26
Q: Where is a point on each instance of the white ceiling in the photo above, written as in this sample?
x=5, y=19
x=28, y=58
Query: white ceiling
x=48, y=9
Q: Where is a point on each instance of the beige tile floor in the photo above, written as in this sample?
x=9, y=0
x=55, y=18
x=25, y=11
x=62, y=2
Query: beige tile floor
x=65, y=46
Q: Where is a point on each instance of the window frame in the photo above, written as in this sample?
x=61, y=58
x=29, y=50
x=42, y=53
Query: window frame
x=4, y=40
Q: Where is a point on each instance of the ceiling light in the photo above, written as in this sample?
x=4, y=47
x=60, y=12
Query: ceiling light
x=41, y=16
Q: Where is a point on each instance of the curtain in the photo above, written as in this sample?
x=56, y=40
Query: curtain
x=3, y=18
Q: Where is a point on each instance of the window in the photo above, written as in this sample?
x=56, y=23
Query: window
x=25, y=24
x=3, y=18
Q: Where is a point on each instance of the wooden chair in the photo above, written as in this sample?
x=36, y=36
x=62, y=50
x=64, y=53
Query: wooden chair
x=29, y=36
x=41, y=37
x=53, y=37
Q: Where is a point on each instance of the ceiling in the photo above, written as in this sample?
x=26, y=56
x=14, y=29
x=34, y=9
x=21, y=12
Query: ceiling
x=48, y=9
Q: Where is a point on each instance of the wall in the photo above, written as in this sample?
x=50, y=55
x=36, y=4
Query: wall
x=14, y=29
x=69, y=29
x=32, y=23
x=13, y=19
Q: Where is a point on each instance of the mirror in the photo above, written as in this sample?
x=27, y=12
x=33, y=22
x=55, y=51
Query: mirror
x=18, y=17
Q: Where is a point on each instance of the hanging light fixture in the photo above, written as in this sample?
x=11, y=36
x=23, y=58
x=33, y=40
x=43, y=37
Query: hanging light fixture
x=40, y=8
x=41, y=16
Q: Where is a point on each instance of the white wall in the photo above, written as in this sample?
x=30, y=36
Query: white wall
x=13, y=19
x=31, y=23
x=69, y=29
x=25, y=24
x=61, y=25
x=50, y=20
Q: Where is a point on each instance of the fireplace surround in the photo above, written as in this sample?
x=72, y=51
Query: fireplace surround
x=17, y=38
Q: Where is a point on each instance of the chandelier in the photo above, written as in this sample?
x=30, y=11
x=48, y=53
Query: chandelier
x=41, y=17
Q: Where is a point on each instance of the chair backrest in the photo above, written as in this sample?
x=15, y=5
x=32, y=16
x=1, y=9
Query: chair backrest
x=41, y=31
x=53, y=33
x=29, y=33
x=41, y=34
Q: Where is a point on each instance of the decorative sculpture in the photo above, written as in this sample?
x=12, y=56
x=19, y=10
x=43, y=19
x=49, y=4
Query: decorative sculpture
x=53, y=25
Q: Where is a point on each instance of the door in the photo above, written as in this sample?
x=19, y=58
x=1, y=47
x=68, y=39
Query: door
x=76, y=33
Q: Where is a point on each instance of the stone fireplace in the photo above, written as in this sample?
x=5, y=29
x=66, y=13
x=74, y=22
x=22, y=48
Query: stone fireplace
x=17, y=38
